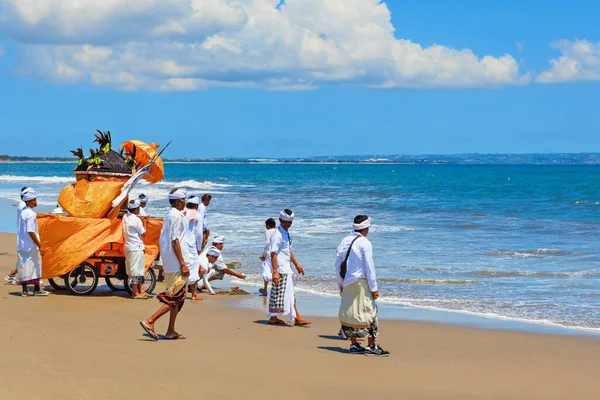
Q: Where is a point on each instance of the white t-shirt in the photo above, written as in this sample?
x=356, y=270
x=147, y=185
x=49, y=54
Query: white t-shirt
x=27, y=223
x=268, y=235
x=133, y=229
x=142, y=212
x=173, y=228
x=280, y=245
x=194, y=225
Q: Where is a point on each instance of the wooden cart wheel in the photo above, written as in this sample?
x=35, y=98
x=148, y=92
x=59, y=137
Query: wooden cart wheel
x=148, y=283
x=115, y=283
x=57, y=283
x=82, y=280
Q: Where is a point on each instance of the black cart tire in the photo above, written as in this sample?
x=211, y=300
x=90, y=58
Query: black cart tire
x=57, y=283
x=148, y=283
x=82, y=284
x=115, y=284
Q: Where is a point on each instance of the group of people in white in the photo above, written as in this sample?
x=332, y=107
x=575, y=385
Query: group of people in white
x=188, y=264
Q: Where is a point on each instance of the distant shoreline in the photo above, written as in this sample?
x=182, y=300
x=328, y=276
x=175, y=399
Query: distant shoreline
x=396, y=159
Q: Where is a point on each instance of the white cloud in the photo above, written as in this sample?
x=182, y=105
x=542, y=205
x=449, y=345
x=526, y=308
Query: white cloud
x=580, y=61
x=193, y=44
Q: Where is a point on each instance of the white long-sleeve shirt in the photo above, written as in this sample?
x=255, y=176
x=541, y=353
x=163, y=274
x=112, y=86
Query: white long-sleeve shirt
x=268, y=235
x=360, y=263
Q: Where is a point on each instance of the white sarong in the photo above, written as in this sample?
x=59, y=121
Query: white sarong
x=134, y=261
x=267, y=271
x=283, y=298
x=29, y=265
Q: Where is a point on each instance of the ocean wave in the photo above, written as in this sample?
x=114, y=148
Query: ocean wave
x=500, y=274
x=37, y=179
x=194, y=184
x=426, y=281
x=529, y=253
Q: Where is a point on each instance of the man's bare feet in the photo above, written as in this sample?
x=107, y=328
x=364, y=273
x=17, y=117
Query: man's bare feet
x=301, y=322
x=174, y=336
x=196, y=297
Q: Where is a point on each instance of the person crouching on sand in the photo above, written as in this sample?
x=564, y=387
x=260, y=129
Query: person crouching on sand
x=133, y=230
x=29, y=247
x=172, y=248
x=283, y=300
x=355, y=272
x=219, y=269
x=266, y=261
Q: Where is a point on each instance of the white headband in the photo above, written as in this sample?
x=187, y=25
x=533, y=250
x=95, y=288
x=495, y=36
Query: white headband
x=284, y=217
x=213, y=252
x=178, y=194
x=194, y=200
x=143, y=198
x=28, y=196
x=363, y=225
x=27, y=189
x=218, y=240
x=133, y=204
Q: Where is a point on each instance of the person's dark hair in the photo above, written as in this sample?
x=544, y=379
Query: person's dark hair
x=288, y=211
x=191, y=206
x=359, y=219
x=23, y=188
x=142, y=196
x=270, y=223
x=206, y=197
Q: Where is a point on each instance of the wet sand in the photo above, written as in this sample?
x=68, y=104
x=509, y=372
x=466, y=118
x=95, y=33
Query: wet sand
x=67, y=347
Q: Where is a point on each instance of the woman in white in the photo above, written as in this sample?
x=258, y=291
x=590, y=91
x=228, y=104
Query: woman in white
x=266, y=261
x=133, y=230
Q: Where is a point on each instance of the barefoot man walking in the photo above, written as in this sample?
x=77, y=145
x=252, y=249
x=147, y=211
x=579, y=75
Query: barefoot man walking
x=173, y=251
x=283, y=300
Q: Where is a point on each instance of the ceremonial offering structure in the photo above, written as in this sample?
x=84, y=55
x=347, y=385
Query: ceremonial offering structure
x=87, y=243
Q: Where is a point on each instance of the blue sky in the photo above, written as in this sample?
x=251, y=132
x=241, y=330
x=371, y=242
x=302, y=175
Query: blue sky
x=309, y=81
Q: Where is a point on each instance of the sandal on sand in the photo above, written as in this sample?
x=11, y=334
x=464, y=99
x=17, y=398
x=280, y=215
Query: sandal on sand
x=149, y=330
x=277, y=322
x=178, y=337
x=302, y=322
x=140, y=297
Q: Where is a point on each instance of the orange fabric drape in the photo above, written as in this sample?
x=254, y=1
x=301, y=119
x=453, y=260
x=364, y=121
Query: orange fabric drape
x=143, y=154
x=69, y=241
x=89, y=199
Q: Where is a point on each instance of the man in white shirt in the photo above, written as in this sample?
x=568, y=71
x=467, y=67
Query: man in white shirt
x=173, y=253
x=193, y=241
x=208, y=258
x=12, y=276
x=357, y=281
x=283, y=300
x=29, y=247
x=143, y=203
x=133, y=230
x=270, y=226
x=206, y=198
x=218, y=269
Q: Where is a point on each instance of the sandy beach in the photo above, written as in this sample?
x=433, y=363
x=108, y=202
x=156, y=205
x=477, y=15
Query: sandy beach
x=66, y=347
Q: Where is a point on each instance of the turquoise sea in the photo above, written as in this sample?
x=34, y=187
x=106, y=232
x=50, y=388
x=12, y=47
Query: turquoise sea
x=506, y=242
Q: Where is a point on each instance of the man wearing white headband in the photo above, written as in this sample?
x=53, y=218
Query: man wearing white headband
x=283, y=300
x=29, y=247
x=175, y=259
x=133, y=230
x=218, y=269
x=193, y=241
x=11, y=277
x=143, y=203
x=355, y=272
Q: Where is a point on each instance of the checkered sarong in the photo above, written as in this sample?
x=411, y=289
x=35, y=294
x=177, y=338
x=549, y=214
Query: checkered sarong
x=278, y=295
